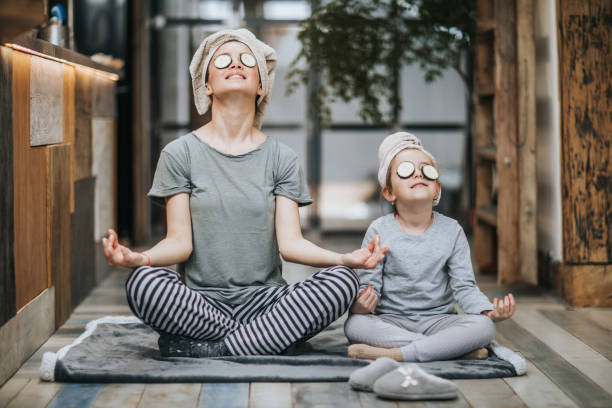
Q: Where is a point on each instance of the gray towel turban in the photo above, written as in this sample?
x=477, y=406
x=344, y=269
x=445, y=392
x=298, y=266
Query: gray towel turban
x=266, y=64
x=391, y=146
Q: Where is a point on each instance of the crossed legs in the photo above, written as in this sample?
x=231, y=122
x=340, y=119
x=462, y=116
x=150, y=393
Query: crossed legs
x=271, y=321
x=440, y=337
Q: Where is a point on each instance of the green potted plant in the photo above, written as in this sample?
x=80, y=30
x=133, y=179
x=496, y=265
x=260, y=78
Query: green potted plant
x=357, y=48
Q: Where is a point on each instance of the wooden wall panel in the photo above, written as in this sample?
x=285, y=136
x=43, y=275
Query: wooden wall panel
x=59, y=232
x=103, y=167
x=82, y=147
x=30, y=203
x=82, y=251
x=103, y=98
x=585, y=65
x=506, y=134
x=526, y=136
x=7, y=266
x=82, y=139
x=68, y=115
x=46, y=90
x=83, y=90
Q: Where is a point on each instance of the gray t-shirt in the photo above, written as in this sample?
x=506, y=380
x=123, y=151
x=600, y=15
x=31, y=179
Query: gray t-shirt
x=232, y=204
x=422, y=275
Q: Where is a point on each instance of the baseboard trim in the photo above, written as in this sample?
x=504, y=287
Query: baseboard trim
x=25, y=332
x=584, y=285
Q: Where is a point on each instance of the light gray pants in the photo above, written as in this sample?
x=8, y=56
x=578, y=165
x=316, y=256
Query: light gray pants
x=440, y=337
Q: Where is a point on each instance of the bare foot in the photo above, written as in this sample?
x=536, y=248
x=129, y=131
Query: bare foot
x=478, y=354
x=365, y=352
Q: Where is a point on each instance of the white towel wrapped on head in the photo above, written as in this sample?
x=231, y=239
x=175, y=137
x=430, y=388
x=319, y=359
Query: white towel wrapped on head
x=391, y=146
x=266, y=65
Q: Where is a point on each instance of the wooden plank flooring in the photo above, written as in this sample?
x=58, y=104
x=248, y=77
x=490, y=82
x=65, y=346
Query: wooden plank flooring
x=591, y=334
x=460, y=402
x=170, y=395
x=315, y=395
x=538, y=390
x=270, y=395
x=119, y=395
x=494, y=392
x=76, y=395
x=567, y=350
x=230, y=395
x=595, y=366
x=574, y=383
x=10, y=390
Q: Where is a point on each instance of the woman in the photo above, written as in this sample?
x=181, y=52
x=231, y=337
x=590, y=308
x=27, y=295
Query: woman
x=232, y=196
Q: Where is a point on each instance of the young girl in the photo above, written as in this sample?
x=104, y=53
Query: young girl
x=405, y=309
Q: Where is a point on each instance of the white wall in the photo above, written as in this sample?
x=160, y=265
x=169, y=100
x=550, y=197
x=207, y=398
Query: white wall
x=548, y=131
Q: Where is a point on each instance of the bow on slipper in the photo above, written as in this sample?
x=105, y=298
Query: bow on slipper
x=409, y=380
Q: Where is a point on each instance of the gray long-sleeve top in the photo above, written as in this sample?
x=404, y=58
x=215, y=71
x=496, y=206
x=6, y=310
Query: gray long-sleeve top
x=422, y=275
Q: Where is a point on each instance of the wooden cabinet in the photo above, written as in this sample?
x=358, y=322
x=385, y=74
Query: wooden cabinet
x=17, y=17
x=57, y=161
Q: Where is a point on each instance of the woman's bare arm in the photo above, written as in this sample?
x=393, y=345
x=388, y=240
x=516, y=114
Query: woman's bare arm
x=295, y=248
x=176, y=247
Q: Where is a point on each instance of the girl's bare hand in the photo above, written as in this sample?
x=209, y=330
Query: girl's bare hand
x=502, y=308
x=119, y=255
x=365, y=302
x=366, y=258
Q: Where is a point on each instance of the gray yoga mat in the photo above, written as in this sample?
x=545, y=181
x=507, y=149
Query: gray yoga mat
x=124, y=350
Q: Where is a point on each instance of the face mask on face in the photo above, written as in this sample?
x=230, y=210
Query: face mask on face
x=406, y=169
x=224, y=60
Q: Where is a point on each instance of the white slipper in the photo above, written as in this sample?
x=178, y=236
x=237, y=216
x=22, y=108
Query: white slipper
x=409, y=382
x=363, y=379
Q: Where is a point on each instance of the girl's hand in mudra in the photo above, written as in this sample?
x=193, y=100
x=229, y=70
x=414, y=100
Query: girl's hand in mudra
x=365, y=302
x=119, y=255
x=502, y=308
x=366, y=258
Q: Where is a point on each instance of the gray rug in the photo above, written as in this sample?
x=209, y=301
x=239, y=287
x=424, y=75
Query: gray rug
x=124, y=350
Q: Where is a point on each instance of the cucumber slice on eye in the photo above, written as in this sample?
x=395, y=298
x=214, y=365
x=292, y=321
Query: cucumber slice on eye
x=248, y=60
x=430, y=172
x=222, y=61
x=405, y=169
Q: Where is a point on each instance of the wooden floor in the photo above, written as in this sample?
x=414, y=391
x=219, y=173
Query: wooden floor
x=568, y=352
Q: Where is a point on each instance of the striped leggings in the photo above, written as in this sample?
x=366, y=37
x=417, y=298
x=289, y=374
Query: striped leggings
x=273, y=319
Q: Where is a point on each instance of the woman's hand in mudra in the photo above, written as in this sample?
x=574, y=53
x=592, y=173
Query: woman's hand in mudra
x=366, y=258
x=119, y=255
